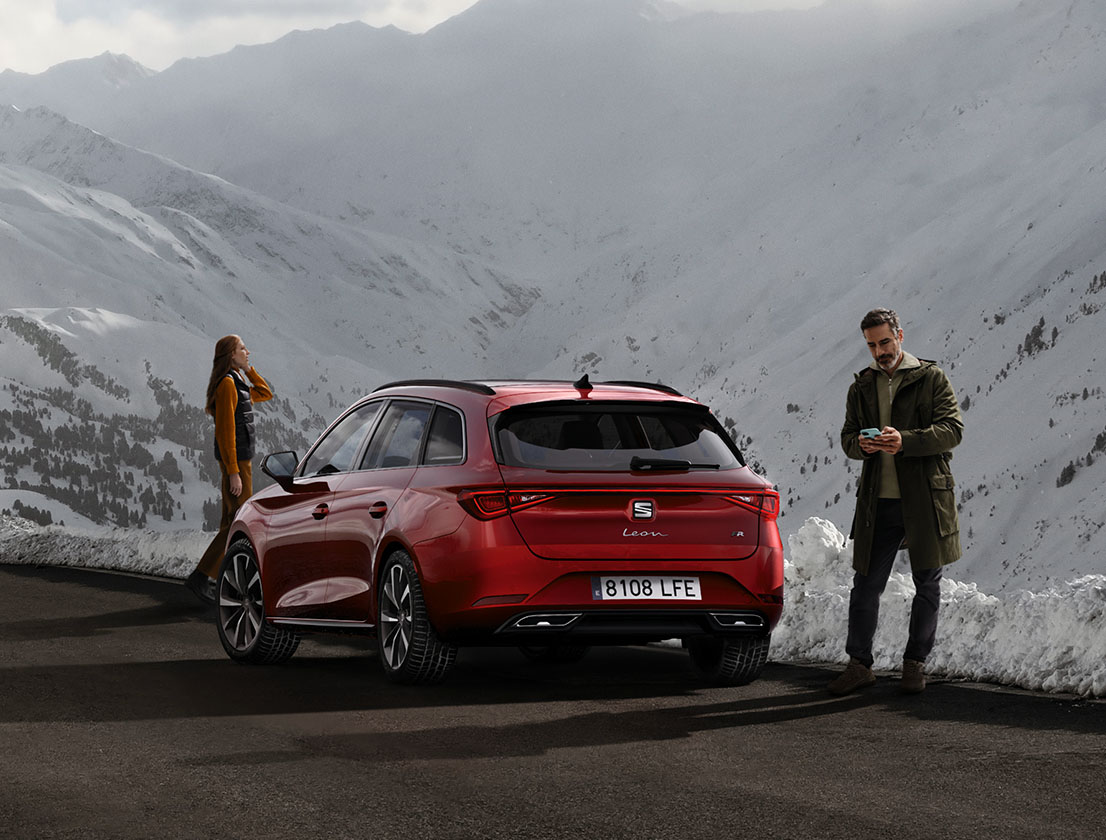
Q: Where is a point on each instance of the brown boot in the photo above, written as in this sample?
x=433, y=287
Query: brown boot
x=913, y=677
x=856, y=675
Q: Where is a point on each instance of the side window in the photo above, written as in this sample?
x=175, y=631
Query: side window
x=396, y=440
x=446, y=442
x=336, y=451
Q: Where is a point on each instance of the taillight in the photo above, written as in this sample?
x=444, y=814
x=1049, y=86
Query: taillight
x=488, y=504
x=764, y=502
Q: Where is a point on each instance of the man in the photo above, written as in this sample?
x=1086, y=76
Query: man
x=905, y=493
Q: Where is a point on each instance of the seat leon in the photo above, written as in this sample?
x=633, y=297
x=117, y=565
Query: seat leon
x=551, y=516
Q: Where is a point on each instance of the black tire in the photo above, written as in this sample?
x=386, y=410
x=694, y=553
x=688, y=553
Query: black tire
x=555, y=653
x=729, y=661
x=246, y=636
x=410, y=650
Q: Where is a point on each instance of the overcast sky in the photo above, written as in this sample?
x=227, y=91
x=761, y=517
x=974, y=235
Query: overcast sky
x=37, y=34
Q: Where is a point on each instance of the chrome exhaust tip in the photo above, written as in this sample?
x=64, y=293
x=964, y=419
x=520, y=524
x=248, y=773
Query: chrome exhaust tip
x=745, y=621
x=545, y=621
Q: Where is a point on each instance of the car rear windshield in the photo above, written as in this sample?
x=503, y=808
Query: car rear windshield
x=613, y=438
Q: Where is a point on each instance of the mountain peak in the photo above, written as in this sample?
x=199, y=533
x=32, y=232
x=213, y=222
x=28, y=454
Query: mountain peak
x=116, y=69
x=120, y=69
x=496, y=13
x=82, y=79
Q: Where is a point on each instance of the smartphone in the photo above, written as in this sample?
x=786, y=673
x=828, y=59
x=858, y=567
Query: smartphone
x=869, y=433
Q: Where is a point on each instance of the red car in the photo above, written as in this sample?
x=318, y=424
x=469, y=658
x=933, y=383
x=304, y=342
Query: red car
x=547, y=515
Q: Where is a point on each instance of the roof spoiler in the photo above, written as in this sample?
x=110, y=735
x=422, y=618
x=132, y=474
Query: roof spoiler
x=475, y=387
x=487, y=390
x=653, y=386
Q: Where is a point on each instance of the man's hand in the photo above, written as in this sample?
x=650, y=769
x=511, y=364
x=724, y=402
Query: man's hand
x=888, y=440
x=236, y=485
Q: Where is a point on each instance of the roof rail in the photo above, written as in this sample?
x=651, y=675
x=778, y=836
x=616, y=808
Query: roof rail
x=653, y=386
x=475, y=387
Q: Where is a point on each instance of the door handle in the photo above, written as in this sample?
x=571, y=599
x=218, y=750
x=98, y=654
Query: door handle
x=320, y=512
x=377, y=511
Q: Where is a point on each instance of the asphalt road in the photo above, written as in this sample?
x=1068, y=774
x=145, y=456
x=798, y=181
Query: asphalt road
x=120, y=717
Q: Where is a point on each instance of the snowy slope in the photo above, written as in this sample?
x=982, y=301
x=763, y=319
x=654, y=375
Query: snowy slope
x=239, y=257
x=709, y=200
x=121, y=268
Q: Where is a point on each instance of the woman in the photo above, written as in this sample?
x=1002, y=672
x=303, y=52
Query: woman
x=231, y=392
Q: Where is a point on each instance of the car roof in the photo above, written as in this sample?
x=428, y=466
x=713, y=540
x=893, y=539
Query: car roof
x=504, y=393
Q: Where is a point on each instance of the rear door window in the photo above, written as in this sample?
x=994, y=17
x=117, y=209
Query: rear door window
x=445, y=443
x=610, y=437
x=398, y=437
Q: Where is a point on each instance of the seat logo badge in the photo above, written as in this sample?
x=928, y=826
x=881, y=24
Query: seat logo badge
x=642, y=509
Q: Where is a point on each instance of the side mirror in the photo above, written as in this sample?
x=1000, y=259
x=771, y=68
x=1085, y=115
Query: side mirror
x=280, y=466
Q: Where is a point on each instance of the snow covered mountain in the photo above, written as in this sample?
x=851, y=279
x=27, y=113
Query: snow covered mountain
x=135, y=264
x=552, y=187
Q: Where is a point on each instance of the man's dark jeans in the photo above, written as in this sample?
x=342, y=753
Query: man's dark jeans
x=867, y=589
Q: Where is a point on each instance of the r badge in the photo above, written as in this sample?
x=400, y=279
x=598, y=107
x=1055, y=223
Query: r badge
x=642, y=510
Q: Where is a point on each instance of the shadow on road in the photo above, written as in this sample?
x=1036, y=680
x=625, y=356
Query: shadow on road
x=332, y=675
x=91, y=625
x=174, y=604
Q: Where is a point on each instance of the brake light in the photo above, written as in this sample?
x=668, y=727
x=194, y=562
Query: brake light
x=764, y=502
x=489, y=504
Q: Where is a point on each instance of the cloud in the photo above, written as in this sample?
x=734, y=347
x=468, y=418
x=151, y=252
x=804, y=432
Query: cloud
x=178, y=11
x=746, y=5
x=37, y=34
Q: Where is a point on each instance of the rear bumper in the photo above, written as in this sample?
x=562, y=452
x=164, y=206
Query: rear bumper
x=622, y=626
x=483, y=585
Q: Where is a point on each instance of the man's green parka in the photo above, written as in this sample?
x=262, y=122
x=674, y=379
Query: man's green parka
x=927, y=415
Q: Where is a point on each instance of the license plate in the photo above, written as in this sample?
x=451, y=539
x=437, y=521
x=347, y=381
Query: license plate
x=646, y=588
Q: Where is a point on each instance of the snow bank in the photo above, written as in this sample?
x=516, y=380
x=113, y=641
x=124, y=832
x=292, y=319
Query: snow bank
x=166, y=554
x=1049, y=641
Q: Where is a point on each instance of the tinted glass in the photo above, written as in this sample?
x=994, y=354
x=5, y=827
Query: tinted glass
x=336, y=451
x=607, y=438
x=445, y=443
x=398, y=437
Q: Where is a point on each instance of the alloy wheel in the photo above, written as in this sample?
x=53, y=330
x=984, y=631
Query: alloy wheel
x=241, y=605
x=395, y=617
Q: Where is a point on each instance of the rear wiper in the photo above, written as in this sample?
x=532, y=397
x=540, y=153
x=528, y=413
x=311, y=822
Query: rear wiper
x=638, y=463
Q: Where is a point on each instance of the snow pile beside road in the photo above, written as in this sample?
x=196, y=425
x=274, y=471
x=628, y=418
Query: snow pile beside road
x=1049, y=641
x=165, y=554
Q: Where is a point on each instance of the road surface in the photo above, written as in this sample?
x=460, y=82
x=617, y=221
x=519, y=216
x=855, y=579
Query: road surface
x=120, y=717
